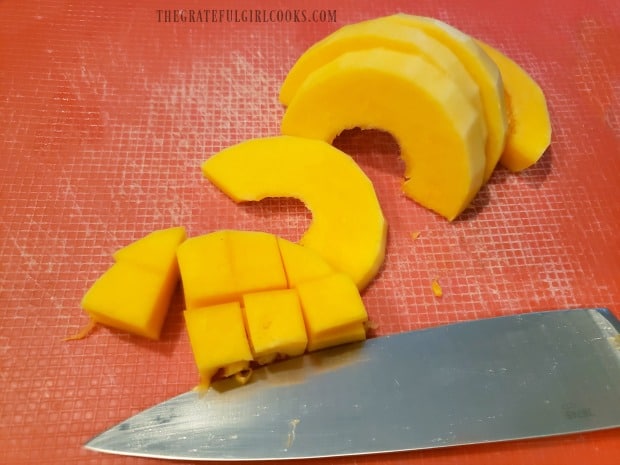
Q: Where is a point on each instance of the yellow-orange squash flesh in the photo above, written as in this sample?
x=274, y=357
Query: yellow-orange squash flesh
x=269, y=319
x=439, y=131
x=529, y=131
x=348, y=229
x=130, y=298
x=156, y=250
x=333, y=311
x=481, y=68
x=301, y=263
x=274, y=324
x=223, y=265
x=135, y=293
x=388, y=35
x=218, y=340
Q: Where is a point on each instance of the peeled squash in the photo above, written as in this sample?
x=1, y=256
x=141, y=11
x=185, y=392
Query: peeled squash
x=439, y=131
x=222, y=266
x=134, y=294
x=218, y=339
x=483, y=71
x=354, y=78
x=275, y=324
x=380, y=34
x=529, y=132
x=315, y=306
x=348, y=229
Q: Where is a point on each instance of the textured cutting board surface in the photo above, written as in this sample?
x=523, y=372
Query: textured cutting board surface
x=106, y=113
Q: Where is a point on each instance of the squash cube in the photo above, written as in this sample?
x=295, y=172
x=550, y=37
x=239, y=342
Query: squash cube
x=332, y=306
x=275, y=324
x=256, y=261
x=301, y=263
x=132, y=298
x=206, y=270
x=218, y=340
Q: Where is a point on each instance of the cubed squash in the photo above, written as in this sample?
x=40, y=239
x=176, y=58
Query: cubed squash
x=206, y=270
x=275, y=324
x=290, y=301
x=218, y=340
x=331, y=306
x=223, y=265
x=256, y=261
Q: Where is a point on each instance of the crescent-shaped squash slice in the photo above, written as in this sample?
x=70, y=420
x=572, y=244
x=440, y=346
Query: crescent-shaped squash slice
x=529, y=132
x=481, y=68
x=372, y=34
x=439, y=131
x=348, y=228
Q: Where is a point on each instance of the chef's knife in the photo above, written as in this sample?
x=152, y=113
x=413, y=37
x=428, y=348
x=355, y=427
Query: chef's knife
x=498, y=379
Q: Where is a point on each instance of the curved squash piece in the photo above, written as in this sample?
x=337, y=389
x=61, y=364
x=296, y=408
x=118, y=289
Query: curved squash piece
x=529, y=132
x=348, y=228
x=481, y=68
x=438, y=129
x=372, y=34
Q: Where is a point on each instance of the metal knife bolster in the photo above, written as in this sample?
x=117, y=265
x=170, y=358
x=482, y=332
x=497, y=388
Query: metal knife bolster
x=498, y=379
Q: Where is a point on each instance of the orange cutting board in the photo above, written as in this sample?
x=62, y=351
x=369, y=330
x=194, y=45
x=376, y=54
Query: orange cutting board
x=106, y=112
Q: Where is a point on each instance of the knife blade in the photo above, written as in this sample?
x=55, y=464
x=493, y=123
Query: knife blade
x=498, y=379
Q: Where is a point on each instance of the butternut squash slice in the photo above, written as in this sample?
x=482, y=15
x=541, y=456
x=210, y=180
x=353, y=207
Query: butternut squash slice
x=529, y=132
x=439, y=131
x=348, y=229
